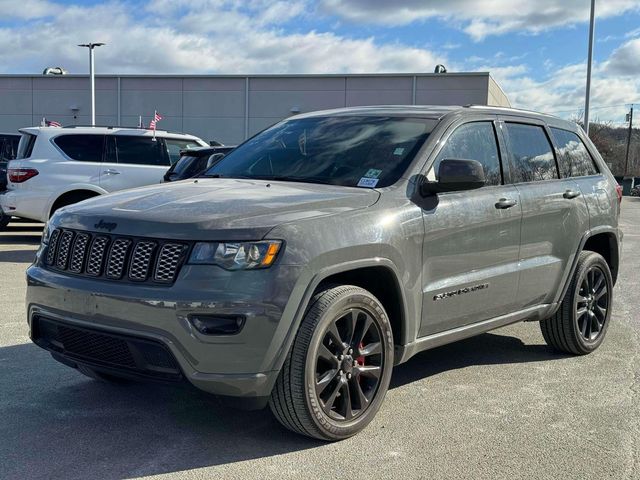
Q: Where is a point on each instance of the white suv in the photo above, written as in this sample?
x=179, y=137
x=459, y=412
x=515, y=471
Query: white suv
x=55, y=167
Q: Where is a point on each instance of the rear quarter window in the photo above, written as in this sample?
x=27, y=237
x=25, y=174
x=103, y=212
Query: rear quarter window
x=573, y=157
x=84, y=148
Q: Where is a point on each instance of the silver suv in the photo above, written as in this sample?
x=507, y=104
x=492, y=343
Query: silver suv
x=330, y=247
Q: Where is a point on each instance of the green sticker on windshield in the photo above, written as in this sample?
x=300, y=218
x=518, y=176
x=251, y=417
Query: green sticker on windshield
x=373, y=173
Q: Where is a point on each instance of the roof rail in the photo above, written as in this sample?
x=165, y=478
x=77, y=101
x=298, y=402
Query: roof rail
x=146, y=129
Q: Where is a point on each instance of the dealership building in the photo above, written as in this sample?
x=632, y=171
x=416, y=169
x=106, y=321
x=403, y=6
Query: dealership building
x=226, y=108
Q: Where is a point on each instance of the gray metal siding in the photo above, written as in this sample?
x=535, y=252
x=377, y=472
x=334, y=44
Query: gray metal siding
x=215, y=107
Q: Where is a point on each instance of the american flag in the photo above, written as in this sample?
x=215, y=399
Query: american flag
x=156, y=118
x=52, y=123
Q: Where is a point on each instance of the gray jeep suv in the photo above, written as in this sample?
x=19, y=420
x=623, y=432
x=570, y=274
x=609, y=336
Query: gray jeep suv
x=327, y=249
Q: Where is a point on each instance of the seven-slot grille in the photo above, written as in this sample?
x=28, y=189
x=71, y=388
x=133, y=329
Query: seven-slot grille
x=114, y=257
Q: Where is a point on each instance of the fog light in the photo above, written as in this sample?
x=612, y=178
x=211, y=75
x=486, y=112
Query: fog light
x=217, y=324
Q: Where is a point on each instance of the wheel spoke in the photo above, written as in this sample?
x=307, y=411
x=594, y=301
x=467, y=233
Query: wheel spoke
x=600, y=314
x=328, y=404
x=601, y=292
x=362, y=330
x=346, y=399
x=323, y=382
x=583, y=330
x=598, y=283
x=371, y=349
x=580, y=312
x=327, y=355
x=372, y=371
x=363, y=401
x=352, y=321
x=334, y=334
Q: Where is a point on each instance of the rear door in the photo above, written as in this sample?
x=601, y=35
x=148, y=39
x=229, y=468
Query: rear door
x=472, y=238
x=133, y=161
x=554, y=212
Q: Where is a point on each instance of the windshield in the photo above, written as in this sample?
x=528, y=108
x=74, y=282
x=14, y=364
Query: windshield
x=362, y=151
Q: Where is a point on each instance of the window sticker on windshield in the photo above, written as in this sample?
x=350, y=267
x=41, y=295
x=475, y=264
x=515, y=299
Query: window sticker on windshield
x=368, y=182
x=398, y=151
x=372, y=173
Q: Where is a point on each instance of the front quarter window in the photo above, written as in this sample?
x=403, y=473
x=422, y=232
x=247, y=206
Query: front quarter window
x=352, y=151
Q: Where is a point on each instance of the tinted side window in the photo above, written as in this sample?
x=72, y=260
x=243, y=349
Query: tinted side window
x=85, y=148
x=25, y=147
x=174, y=146
x=140, y=150
x=573, y=157
x=474, y=141
x=531, y=153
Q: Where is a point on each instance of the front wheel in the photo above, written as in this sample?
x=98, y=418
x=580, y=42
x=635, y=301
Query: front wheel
x=581, y=322
x=337, y=372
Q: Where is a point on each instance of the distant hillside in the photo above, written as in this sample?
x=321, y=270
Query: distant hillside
x=612, y=145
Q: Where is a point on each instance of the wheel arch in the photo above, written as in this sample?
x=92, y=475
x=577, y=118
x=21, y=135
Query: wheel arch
x=79, y=192
x=602, y=240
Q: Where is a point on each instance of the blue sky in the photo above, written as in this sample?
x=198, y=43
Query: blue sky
x=536, y=50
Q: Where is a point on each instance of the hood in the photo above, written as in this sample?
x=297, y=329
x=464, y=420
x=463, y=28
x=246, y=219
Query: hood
x=211, y=209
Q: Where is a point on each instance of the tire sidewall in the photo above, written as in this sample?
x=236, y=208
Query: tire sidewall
x=360, y=299
x=593, y=260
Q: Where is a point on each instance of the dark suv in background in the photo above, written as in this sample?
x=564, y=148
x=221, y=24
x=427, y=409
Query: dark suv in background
x=194, y=161
x=8, y=148
x=333, y=245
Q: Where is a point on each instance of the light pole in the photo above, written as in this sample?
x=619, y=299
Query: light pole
x=92, y=78
x=589, y=61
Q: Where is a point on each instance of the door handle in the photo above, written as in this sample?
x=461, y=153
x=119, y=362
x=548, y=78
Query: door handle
x=111, y=171
x=571, y=194
x=506, y=203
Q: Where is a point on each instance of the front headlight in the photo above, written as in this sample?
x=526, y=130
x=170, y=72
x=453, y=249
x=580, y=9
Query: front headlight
x=236, y=255
x=46, y=232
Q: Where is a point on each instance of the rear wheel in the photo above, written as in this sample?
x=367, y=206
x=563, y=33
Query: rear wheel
x=581, y=322
x=339, y=367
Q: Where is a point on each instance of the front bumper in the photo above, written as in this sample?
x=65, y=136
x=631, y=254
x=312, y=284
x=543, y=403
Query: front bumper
x=241, y=365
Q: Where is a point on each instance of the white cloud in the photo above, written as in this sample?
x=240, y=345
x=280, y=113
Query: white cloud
x=479, y=19
x=215, y=36
x=625, y=60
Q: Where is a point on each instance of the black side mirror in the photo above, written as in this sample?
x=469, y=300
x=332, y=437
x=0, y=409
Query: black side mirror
x=455, y=175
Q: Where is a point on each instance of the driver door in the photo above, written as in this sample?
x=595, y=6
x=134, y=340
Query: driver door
x=472, y=238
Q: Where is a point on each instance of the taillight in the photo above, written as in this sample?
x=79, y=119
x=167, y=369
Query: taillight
x=619, y=192
x=19, y=175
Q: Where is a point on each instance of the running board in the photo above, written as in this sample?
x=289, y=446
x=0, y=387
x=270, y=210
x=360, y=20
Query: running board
x=405, y=352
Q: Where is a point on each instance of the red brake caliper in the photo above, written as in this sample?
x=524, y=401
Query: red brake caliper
x=360, y=359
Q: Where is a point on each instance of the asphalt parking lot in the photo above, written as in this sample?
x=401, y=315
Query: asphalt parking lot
x=501, y=405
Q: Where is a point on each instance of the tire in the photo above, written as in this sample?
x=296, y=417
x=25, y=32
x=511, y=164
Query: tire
x=4, y=220
x=345, y=340
x=100, y=377
x=580, y=324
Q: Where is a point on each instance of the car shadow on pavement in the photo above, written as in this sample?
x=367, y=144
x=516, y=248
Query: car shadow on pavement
x=485, y=349
x=57, y=423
